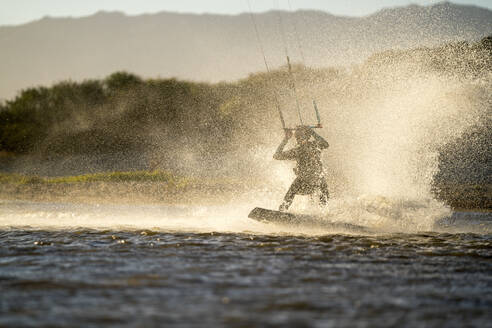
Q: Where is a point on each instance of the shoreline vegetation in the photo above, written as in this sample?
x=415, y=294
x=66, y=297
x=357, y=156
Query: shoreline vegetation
x=119, y=187
x=160, y=187
x=151, y=187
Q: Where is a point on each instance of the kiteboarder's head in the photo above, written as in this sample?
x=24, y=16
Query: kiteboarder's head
x=303, y=133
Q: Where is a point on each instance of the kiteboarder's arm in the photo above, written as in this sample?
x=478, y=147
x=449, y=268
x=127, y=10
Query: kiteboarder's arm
x=322, y=143
x=280, y=154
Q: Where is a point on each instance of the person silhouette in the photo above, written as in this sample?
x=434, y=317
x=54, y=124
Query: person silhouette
x=309, y=168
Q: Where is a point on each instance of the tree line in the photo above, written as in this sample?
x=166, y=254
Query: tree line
x=124, y=112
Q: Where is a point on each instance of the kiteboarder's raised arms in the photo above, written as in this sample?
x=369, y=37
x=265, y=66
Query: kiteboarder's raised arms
x=280, y=154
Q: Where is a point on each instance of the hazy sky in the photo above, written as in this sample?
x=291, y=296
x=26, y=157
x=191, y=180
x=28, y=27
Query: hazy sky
x=22, y=11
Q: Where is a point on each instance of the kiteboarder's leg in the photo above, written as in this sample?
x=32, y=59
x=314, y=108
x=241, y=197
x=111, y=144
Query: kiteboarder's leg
x=289, y=196
x=325, y=195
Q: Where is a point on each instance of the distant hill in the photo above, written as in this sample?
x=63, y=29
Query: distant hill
x=217, y=47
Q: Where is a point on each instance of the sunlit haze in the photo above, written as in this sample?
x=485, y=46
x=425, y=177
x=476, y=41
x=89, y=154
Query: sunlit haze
x=14, y=12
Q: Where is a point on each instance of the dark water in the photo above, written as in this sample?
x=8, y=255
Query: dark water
x=143, y=278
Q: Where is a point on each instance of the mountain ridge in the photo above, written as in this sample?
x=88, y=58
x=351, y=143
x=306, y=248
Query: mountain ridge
x=376, y=13
x=213, y=47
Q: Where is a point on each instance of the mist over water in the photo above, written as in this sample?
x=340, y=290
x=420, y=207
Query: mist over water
x=387, y=140
x=385, y=122
x=379, y=216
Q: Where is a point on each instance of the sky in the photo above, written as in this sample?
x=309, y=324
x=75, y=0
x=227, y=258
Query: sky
x=14, y=12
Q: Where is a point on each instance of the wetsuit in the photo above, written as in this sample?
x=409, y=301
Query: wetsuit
x=309, y=169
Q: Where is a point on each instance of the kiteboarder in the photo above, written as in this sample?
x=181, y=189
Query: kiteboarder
x=309, y=169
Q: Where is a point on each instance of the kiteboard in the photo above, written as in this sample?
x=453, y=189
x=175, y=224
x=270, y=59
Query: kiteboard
x=304, y=220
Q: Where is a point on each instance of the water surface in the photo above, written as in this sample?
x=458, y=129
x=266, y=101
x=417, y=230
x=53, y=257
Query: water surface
x=130, y=277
